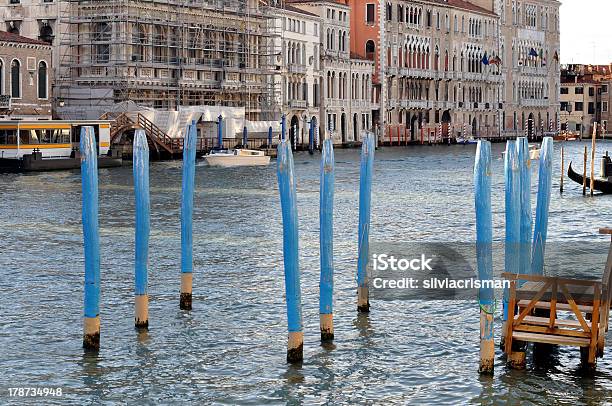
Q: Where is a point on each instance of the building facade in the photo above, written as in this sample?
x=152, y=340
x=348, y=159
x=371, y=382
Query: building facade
x=26, y=67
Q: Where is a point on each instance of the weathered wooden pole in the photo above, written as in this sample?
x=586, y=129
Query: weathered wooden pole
x=584, y=172
x=540, y=230
x=287, y=189
x=311, y=137
x=592, y=185
x=188, y=186
x=91, y=238
x=143, y=209
x=365, y=198
x=270, y=137
x=219, y=132
x=484, y=253
x=283, y=126
x=513, y=222
x=562, y=169
x=326, y=242
x=245, y=137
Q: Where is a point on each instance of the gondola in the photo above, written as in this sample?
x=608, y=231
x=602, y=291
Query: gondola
x=603, y=185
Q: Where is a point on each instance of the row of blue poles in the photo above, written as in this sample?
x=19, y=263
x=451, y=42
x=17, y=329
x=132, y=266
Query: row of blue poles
x=523, y=255
x=288, y=196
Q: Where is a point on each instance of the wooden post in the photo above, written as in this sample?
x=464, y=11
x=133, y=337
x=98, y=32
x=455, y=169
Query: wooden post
x=286, y=187
x=91, y=237
x=592, y=185
x=584, y=172
x=270, y=137
x=513, y=216
x=245, y=137
x=283, y=126
x=562, y=169
x=543, y=203
x=219, y=131
x=143, y=208
x=365, y=197
x=484, y=253
x=188, y=187
x=326, y=242
x=311, y=137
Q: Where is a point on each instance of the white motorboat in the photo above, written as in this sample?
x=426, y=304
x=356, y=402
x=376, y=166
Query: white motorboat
x=236, y=157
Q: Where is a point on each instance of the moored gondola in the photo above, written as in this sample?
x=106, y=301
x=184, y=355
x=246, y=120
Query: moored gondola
x=604, y=185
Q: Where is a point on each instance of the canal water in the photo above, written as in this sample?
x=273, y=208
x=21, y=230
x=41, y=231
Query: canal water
x=231, y=348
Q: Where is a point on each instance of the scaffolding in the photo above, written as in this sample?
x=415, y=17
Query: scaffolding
x=165, y=54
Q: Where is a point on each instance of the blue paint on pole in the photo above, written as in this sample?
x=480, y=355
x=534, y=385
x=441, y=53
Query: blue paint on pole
x=283, y=126
x=513, y=214
x=287, y=189
x=365, y=198
x=219, y=131
x=270, y=137
x=245, y=137
x=143, y=208
x=91, y=236
x=484, y=223
x=311, y=137
x=188, y=186
x=326, y=238
x=522, y=145
x=543, y=203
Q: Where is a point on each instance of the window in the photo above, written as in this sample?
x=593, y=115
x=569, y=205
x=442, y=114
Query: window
x=46, y=34
x=579, y=90
x=564, y=90
x=591, y=108
x=564, y=105
x=604, y=107
x=370, y=13
x=579, y=106
x=370, y=50
x=591, y=91
x=42, y=80
x=604, y=88
x=16, y=79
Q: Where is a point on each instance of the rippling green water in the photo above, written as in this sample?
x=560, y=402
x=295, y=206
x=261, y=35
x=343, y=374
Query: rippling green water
x=231, y=348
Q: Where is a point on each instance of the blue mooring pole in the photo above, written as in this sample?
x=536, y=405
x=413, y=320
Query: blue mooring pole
x=326, y=241
x=311, y=137
x=484, y=253
x=189, y=156
x=219, y=132
x=245, y=137
x=287, y=189
x=283, y=126
x=513, y=216
x=522, y=145
x=365, y=198
x=541, y=221
x=91, y=237
x=143, y=210
x=270, y=137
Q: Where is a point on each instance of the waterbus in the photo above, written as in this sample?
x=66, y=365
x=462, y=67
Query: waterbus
x=52, y=144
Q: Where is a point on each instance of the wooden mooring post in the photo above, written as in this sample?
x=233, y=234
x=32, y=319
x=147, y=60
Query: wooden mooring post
x=188, y=186
x=287, y=189
x=562, y=168
x=592, y=183
x=326, y=242
x=365, y=198
x=540, y=231
x=91, y=237
x=513, y=215
x=584, y=172
x=143, y=209
x=484, y=253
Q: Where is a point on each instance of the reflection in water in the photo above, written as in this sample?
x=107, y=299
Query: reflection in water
x=231, y=347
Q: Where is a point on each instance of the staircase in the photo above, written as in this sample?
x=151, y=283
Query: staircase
x=128, y=121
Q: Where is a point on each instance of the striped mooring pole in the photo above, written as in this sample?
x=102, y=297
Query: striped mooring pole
x=188, y=186
x=365, y=198
x=91, y=239
x=143, y=210
x=288, y=198
x=326, y=242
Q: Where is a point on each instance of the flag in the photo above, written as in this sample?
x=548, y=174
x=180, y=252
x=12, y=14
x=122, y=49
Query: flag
x=533, y=52
x=485, y=60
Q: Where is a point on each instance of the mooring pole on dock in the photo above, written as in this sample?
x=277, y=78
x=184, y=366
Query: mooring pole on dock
x=143, y=209
x=219, y=132
x=270, y=137
x=283, y=126
x=592, y=185
x=287, y=189
x=188, y=186
x=326, y=242
x=562, y=168
x=513, y=216
x=540, y=230
x=245, y=137
x=584, y=172
x=91, y=239
x=365, y=198
x=311, y=137
x=484, y=253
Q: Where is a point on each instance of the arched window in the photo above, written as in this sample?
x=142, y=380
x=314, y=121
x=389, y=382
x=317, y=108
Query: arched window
x=42, y=80
x=370, y=50
x=16, y=78
x=46, y=34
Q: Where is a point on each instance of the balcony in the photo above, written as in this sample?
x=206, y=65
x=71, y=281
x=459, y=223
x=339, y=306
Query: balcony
x=417, y=73
x=297, y=104
x=338, y=103
x=414, y=104
x=299, y=69
x=5, y=102
x=542, y=103
x=532, y=70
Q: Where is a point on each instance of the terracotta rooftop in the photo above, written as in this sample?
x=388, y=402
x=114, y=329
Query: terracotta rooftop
x=297, y=10
x=10, y=37
x=464, y=5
